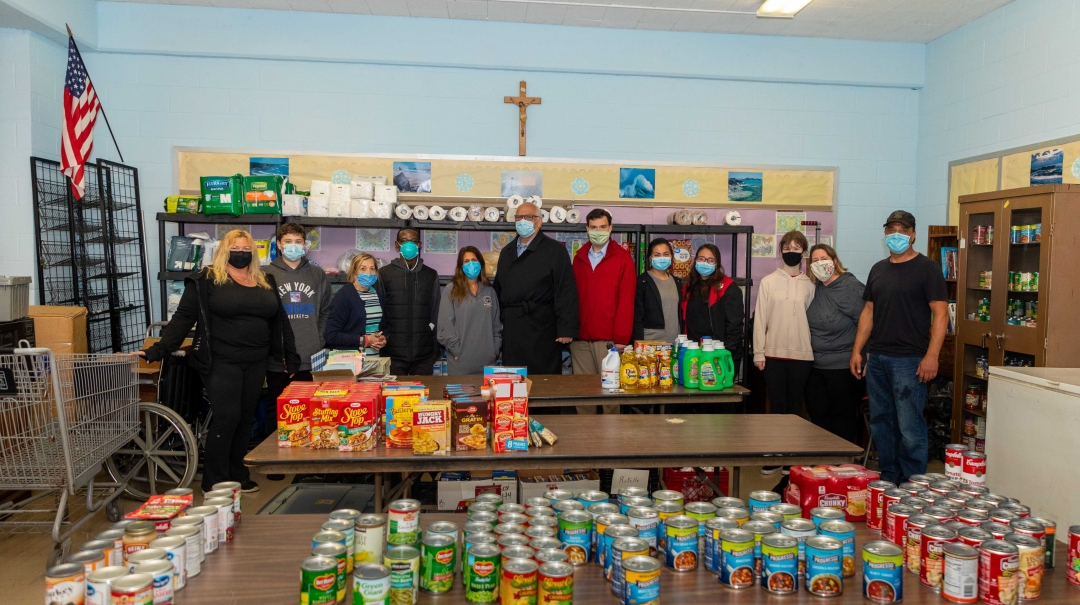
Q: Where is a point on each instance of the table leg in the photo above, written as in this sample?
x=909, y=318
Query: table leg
x=378, y=492
x=733, y=489
x=705, y=479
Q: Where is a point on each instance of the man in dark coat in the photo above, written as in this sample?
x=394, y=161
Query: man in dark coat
x=538, y=295
x=410, y=309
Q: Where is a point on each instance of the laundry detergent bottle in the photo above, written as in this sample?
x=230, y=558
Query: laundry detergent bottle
x=711, y=380
x=690, y=366
x=725, y=364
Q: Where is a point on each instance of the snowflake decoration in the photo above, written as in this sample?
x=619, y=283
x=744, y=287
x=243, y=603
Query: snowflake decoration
x=341, y=177
x=1076, y=168
x=463, y=182
x=690, y=188
x=579, y=186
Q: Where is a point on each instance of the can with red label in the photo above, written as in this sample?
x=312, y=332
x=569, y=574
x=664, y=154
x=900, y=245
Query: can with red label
x=973, y=536
x=916, y=503
x=944, y=486
x=1002, y=516
x=1020, y=510
x=974, y=468
x=912, y=488
x=999, y=562
x=981, y=505
x=889, y=497
x=894, y=528
x=998, y=530
x=931, y=557
x=1029, y=527
x=959, y=497
x=971, y=517
x=941, y=513
x=1029, y=574
x=954, y=460
x=975, y=490
x=874, y=511
x=1072, y=563
x=913, y=544
x=922, y=481
x=960, y=583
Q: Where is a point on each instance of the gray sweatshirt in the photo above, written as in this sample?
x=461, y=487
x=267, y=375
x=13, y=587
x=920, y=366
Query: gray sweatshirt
x=305, y=294
x=834, y=318
x=471, y=331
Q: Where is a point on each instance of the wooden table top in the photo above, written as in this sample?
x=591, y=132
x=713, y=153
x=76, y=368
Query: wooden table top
x=638, y=440
x=262, y=567
x=561, y=390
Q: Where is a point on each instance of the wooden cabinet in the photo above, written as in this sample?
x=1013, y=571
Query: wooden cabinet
x=993, y=310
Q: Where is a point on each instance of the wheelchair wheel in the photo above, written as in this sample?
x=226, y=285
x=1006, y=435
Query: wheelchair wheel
x=165, y=447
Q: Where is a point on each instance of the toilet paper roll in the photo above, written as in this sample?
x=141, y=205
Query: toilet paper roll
x=386, y=193
x=679, y=217
x=491, y=214
x=458, y=214
x=436, y=213
x=320, y=188
x=420, y=213
x=358, y=208
x=318, y=205
x=544, y=216
x=476, y=213
x=514, y=201
x=403, y=212
x=511, y=215
x=363, y=190
x=573, y=216
x=558, y=214
x=733, y=218
x=536, y=200
x=698, y=217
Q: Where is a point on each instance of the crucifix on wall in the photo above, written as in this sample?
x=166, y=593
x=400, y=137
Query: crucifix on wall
x=523, y=103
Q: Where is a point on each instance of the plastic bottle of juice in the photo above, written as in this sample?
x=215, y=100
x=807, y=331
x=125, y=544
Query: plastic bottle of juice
x=725, y=365
x=628, y=371
x=690, y=367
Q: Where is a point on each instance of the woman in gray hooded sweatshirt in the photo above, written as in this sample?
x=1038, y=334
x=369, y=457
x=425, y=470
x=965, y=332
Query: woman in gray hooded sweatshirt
x=833, y=393
x=469, y=324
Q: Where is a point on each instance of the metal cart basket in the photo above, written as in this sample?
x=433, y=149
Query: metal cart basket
x=61, y=416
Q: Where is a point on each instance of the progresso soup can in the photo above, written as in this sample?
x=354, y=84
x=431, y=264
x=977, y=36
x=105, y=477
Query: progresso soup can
x=647, y=522
x=641, y=581
x=824, y=566
x=761, y=500
x=713, y=529
x=700, y=512
x=800, y=529
x=600, y=525
x=681, y=550
x=758, y=529
x=575, y=533
x=736, y=558
x=787, y=511
x=621, y=550
x=612, y=534
x=665, y=510
x=822, y=514
x=845, y=532
x=883, y=572
x=779, y=564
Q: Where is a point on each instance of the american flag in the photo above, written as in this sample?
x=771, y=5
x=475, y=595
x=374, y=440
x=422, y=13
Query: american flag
x=81, y=107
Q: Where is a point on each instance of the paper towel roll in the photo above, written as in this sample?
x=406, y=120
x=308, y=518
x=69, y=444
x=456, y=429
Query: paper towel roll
x=386, y=193
x=320, y=188
x=511, y=215
x=363, y=190
x=544, y=216
x=293, y=205
x=573, y=216
x=476, y=213
x=380, y=210
x=558, y=214
x=458, y=214
x=358, y=208
x=698, y=217
x=536, y=200
x=436, y=213
x=340, y=192
x=733, y=218
x=679, y=217
x=318, y=205
x=339, y=208
x=403, y=212
x=514, y=201
x=420, y=213
x=491, y=214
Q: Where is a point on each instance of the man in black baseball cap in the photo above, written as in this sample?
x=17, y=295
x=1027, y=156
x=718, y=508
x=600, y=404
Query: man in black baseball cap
x=902, y=327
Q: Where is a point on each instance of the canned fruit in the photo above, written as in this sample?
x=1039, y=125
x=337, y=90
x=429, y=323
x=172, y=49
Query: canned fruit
x=883, y=565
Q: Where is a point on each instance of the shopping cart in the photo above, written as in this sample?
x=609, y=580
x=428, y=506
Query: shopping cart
x=61, y=417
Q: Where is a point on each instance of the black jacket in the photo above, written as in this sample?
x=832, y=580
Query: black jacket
x=539, y=300
x=410, y=311
x=722, y=319
x=648, y=308
x=194, y=310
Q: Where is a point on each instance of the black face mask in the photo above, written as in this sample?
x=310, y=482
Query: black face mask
x=792, y=259
x=240, y=260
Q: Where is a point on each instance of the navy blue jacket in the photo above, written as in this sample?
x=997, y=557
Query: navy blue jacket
x=347, y=323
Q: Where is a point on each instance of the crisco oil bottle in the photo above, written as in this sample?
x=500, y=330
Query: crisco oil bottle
x=628, y=369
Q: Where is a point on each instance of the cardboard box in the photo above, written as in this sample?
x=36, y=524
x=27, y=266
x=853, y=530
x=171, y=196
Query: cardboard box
x=431, y=428
x=470, y=423
x=528, y=487
x=453, y=493
x=62, y=329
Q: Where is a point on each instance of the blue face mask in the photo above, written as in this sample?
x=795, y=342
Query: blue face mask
x=705, y=269
x=524, y=228
x=471, y=269
x=293, y=252
x=661, y=263
x=898, y=243
x=409, y=250
x=367, y=279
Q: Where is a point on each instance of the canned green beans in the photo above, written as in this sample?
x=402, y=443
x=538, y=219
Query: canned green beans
x=404, y=518
x=371, y=584
x=318, y=581
x=336, y=552
x=438, y=554
x=404, y=564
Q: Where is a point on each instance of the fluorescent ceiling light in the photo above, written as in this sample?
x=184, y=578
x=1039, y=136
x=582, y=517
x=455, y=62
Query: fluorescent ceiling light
x=781, y=9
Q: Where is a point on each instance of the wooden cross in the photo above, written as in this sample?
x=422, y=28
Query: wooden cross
x=522, y=102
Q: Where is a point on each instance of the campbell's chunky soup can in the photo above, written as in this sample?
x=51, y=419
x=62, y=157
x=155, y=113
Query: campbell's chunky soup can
x=883, y=572
x=895, y=523
x=999, y=562
x=913, y=544
x=931, y=557
x=874, y=510
x=1072, y=563
x=973, y=536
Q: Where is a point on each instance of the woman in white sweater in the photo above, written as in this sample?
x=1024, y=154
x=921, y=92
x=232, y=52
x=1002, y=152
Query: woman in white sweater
x=781, y=333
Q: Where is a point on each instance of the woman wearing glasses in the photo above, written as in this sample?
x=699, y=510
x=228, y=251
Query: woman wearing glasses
x=712, y=305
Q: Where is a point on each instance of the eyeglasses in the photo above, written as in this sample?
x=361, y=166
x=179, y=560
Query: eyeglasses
x=527, y=217
x=405, y=241
x=707, y=261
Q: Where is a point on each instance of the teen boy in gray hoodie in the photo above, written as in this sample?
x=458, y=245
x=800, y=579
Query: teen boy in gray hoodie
x=304, y=290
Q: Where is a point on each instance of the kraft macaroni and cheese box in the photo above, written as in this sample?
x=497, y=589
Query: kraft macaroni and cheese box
x=222, y=194
x=262, y=194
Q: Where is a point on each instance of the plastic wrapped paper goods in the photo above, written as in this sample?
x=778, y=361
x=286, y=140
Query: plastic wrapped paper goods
x=514, y=201
x=339, y=208
x=510, y=215
x=363, y=190
x=403, y=212
x=458, y=214
x=380, y=210
x=558, y=214
x=476, y=213
x=544, y=216
x=573, y=216
x=294, y=205
x=491, y=214
x=358, y=208
x=374, y=179
x=698, y=217
x=420, y=213
x=320, y=188
x=436, y=213
x=318, y=205
x=536, y=200
x=386, y=193
x=340, y=192
x=679, y=217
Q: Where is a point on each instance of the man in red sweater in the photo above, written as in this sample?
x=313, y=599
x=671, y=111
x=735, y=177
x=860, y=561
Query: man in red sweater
x=606, y=281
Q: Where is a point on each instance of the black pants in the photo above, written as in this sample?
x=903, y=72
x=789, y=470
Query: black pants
x=785, y=379
x=832, y=399
x=400, y=367
x=234, y=389
x=277, y=381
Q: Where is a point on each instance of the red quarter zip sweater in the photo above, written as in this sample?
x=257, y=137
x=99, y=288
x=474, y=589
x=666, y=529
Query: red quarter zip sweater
x=606, y=295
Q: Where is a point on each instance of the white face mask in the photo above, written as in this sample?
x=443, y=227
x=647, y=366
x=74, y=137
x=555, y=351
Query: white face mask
x=822, y=269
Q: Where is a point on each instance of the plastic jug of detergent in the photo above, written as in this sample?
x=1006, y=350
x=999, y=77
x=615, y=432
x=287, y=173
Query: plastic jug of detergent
x=725, y=365
x=678, y=349
x=690, y=366
x=609, y=370
x=711, y=379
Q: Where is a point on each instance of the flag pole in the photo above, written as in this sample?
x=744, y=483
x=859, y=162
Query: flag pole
x=101, y=106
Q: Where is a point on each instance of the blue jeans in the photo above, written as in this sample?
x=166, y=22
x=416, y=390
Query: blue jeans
x=897, y=399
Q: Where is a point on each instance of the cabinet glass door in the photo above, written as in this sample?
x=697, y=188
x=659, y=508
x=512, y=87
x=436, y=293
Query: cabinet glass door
x=1019, y=339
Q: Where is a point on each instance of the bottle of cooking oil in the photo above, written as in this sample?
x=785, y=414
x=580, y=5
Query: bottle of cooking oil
x=643, y=380
x=628, y=370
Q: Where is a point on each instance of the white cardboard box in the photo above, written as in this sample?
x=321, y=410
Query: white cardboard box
x=453, y=492
x=529, y=489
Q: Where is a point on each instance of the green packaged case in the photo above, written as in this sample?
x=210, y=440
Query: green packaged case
x=183, y=204
x=262, y=194
x=222, y=194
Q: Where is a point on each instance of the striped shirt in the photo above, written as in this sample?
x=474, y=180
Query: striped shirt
x=374, y=314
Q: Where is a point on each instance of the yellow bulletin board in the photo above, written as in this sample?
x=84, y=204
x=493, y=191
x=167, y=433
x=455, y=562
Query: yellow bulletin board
x=682, y=185
x=1012, y=169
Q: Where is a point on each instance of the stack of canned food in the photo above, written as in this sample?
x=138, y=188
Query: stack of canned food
x=1022, y=313
x=1023, y=281
x=982, y=235
x=1025, y=234
x=144, y=562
